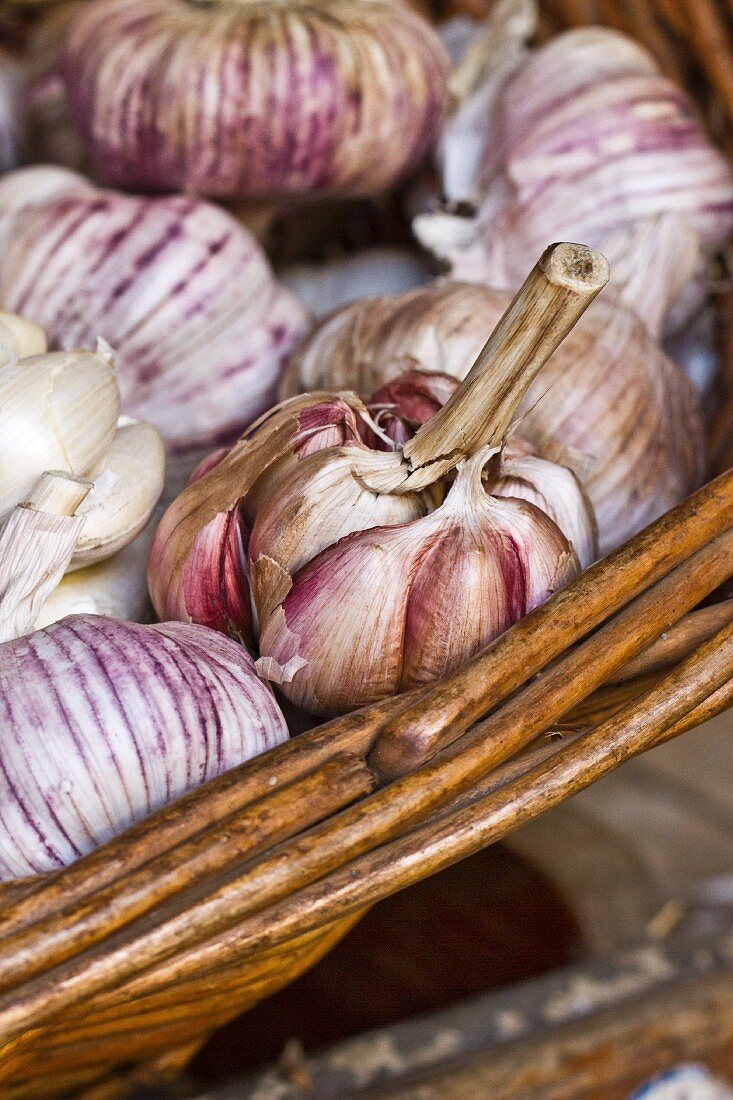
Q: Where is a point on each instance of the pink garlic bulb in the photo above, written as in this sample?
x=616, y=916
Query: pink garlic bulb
x=608, y=404
x=254, y=99
x=179, y=288
x=422, y=597
x=581, y=137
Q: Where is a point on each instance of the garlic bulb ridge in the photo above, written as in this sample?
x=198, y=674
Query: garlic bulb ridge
x=339, y=97
x=178, y=287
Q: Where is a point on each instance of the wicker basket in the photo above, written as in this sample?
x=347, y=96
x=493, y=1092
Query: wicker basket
x=118, y=968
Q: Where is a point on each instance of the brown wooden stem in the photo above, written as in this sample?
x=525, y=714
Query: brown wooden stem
x=679, y=641
x=437, y=844
x=556, y=293
x=174, y=937
x=228, y=844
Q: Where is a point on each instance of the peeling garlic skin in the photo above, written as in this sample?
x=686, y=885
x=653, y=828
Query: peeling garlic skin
x=422, y=597
x=179, y=288
x=255, y=99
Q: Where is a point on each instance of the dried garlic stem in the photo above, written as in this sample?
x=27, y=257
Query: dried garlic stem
x=36, y=545
x=555, y=294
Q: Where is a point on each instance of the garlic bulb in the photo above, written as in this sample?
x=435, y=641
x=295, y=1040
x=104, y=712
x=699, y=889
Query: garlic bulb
x=154, y=711
x=252, y=99
x=178, y=287
x=299, y=534
x=422, y=597
x=583, y=136
x=608, y=404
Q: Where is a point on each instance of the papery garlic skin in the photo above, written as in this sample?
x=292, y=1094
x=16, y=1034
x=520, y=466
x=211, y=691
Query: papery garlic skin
x=128, y=482
x=58, y=411
x=148, y=713
x=323, y=499
x=179, y=288
x=393, y=608
x=198, y=569
x=585, y=137
x=608, y=404
x=339, y=97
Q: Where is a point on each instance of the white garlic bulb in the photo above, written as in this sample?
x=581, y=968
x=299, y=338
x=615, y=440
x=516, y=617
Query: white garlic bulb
x=327, y=286
x=338, y=97
x=179, y=288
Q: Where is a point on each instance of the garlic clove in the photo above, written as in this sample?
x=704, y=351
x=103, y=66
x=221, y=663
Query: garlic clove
x=19, y=338
x=116, y=587
x=392, y=608
x=127, y=485
x=58, y=411
x=554, y=489
x=325, y=498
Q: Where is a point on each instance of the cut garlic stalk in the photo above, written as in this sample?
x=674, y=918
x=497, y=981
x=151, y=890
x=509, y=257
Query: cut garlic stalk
x=58, y=411
x=36, y=545
x=127, y=485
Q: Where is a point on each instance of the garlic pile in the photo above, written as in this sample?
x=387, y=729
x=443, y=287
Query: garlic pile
x=325, y=286
x=178, y=287
x=59, y=411
x=583, y=136
x=225, y=98
x=349, y=562
x=132, y=717
x=609, y=404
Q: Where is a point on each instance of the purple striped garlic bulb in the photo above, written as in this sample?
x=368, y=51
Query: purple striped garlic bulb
x=104, y=722
x=422, y=597
x=255, y=98
x=370, y=570
x=178, y=287
x=608, y=404
x=578, y=138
